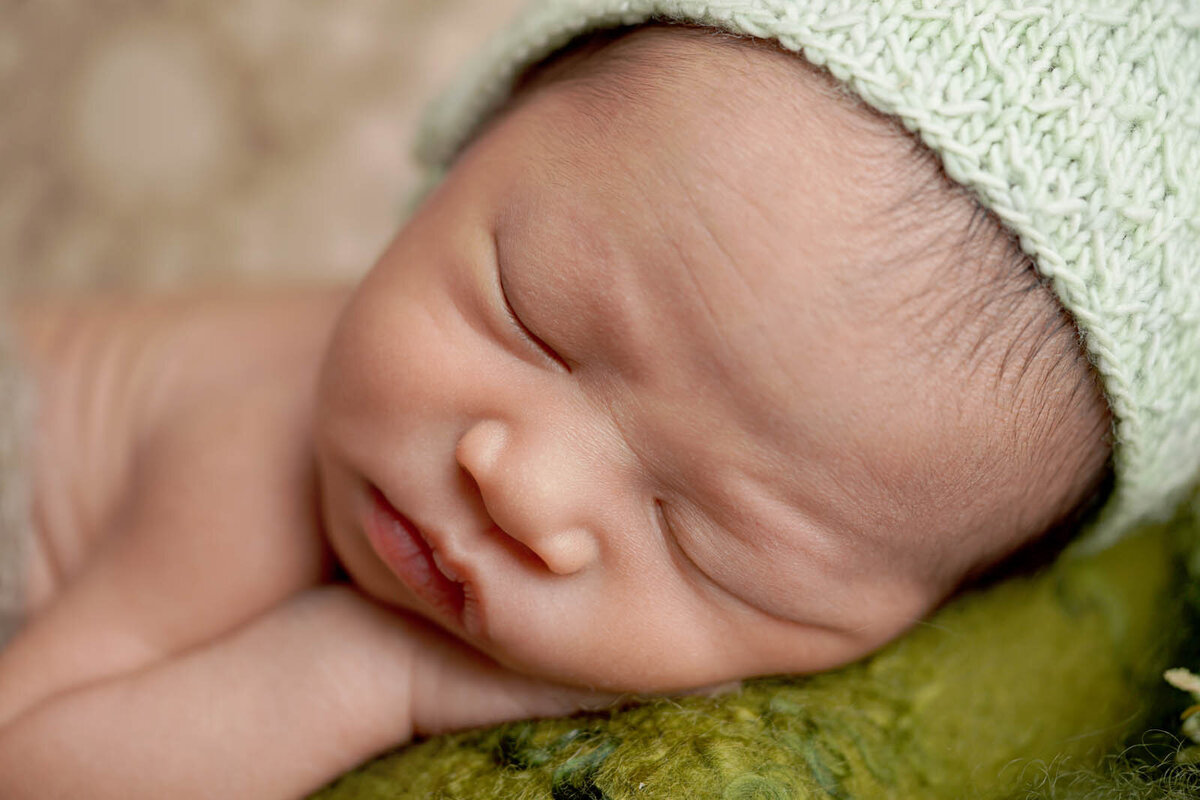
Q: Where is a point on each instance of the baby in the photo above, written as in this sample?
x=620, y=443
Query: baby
x=692, y=368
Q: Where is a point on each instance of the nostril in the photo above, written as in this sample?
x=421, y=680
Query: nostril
x=525, y=496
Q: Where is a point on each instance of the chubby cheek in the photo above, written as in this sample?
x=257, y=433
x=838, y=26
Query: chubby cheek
x=371, y=351
x=386, y=392
x=615, y=636
x=672, y=639
x=355, y=374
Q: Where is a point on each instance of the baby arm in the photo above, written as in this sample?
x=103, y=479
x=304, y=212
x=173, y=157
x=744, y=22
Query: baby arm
x=173, y=478
x=274, y=709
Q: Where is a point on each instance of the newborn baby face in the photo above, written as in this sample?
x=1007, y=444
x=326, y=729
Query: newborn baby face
x=631, y=402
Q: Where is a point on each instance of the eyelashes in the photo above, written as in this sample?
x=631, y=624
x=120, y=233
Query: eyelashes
x=527, y=334
x=677, y=546
x=660, y=511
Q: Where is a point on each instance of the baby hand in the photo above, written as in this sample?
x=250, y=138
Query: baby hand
x=455, y=686
x=277, y=708
x=432, y=682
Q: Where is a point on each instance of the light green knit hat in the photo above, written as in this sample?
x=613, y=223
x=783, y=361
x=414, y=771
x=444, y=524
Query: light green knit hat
x=1076, y=121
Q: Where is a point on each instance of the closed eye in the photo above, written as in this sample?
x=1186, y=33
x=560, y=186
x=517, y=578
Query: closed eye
x=660, y=511
x=524, y=330
x=701, y=577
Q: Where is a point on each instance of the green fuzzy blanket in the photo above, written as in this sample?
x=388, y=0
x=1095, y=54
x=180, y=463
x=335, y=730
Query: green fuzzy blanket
x=1022, y=689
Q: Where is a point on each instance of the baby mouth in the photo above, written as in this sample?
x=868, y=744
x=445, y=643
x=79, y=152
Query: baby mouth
x=445, y=568
x=403, y=548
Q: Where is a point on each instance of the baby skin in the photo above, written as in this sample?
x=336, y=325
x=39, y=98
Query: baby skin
x=668, y=384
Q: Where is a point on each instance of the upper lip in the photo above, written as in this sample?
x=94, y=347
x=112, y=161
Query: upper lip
x=447, y=563
x=442, y=562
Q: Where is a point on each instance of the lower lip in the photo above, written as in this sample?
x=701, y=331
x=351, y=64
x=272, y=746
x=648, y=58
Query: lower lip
x=396, y=541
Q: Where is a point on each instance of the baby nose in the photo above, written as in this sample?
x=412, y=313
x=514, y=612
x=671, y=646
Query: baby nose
x=530, y=496
x=564, y=552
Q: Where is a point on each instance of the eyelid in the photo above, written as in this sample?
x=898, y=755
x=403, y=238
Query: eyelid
x=704, y=578
x=529, y=335
x=673, y=542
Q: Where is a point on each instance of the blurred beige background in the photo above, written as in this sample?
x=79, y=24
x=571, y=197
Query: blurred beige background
x=165, y=142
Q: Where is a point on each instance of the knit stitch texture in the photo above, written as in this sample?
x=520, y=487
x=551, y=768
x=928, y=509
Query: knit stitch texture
x=1077, y=122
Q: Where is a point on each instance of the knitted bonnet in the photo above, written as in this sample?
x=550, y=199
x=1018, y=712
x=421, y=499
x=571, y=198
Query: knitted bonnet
x=1077, y=122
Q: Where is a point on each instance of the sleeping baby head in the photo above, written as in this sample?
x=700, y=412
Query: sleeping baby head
x=692, y=368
